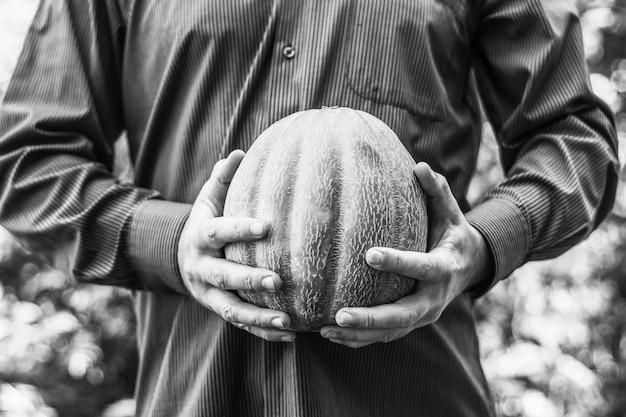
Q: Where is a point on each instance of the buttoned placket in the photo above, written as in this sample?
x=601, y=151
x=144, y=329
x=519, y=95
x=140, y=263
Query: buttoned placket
x=284, y=94
x=284, y=99
x=289, y=52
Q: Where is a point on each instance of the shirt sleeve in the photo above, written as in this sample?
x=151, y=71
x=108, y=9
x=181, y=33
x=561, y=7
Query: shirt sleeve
x=58, y=123
x=557, y=140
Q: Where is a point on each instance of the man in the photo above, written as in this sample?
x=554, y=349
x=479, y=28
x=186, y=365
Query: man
x=192, y=81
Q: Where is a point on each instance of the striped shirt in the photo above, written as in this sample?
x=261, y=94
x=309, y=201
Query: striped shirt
x=188, y=81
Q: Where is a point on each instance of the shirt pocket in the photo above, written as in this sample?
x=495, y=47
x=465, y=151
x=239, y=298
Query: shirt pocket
x=399, y=53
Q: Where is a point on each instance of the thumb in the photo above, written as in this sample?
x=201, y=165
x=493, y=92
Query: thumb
x=441, y=202
x=214, y=190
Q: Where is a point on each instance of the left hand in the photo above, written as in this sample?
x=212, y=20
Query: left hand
x=459, y=258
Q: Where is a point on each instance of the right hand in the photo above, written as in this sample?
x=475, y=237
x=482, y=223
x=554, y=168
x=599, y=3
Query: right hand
x=209, y=277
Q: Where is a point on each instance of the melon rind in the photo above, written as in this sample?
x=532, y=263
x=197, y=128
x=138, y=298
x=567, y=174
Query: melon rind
x=331, y=183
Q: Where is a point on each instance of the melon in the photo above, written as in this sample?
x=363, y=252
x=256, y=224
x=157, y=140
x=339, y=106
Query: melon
x=331, y=183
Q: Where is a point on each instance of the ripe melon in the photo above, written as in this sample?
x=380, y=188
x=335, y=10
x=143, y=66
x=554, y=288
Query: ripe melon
x=331, y=183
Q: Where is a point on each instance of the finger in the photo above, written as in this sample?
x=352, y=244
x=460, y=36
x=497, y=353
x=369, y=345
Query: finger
x=351, y=344
x=223, y=274
x=218, y=231
x=384, y=316
x=229, y=305
x=415, y=310
x=431, y=266
x=356, y=338
x=215, y=189
x=271, y=335
x=440, y=197
x=247, y=316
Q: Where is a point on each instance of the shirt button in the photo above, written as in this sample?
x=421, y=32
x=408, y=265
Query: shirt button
x=289, y=51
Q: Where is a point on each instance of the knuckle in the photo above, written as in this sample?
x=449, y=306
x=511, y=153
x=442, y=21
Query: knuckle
x=352, y=337
x=221, y=180
x=238, y=230
x=427, y=268
x=398, y=263
x=455, y=269
x=248, y=281
x=408, y=318
x=388, y=337
x=218, y=278
x=227, y=313
x=442, y=183
x=434, y=271
x=370, y=320
x=211, y=229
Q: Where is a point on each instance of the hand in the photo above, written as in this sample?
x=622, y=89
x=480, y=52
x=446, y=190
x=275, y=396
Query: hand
x=458, y=258
x=209, y=277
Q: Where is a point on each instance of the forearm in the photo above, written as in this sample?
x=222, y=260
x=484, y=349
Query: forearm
x=58, y=122
x=482, y=274
x=69, y=209
x=87, y=224
x=557, y=139
x=560, y=187
x=154, y=231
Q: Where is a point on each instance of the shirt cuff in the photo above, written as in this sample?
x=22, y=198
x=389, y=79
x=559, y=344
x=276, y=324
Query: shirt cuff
x=154, y=230
x=504, y=227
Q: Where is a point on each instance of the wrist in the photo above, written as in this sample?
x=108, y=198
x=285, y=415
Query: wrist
x=483, y=268
x=153, y=237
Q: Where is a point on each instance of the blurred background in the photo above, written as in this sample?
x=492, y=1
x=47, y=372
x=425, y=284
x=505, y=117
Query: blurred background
x=553, y=336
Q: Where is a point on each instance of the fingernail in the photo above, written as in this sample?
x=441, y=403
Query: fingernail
x=268, y=283
x=242, y=326
x=344, y=318
x=278, y=322
x=288, y=338
x=374, y=257
x=257, y=228
x=330, y=335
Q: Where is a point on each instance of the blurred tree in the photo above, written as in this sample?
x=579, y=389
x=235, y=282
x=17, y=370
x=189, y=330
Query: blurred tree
x=553, y=335
x=74, y=343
